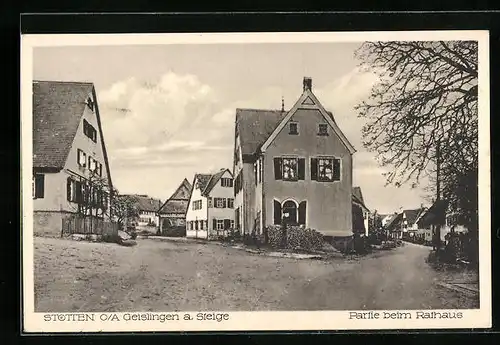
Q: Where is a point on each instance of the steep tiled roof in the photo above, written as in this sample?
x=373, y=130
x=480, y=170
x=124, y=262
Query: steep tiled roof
x=411, y=215
x=57, y=110
x=357, y=197
x=177, y=203
x=145, y=203
x=395, y=221
x=435, y=215
x=202, y=180
x=213, y=181
x=256, y=125
x=356, y=191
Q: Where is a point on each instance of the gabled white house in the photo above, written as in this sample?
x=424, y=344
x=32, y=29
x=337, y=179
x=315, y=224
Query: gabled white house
x=210, y=211
x=71, y=175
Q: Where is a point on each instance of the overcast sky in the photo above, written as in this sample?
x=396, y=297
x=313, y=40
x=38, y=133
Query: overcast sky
x=168, y=111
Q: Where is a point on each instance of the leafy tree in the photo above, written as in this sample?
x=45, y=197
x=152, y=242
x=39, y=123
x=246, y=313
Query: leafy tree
x=123, y=208
x=423, y=113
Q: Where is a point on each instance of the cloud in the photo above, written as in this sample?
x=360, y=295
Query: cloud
x=159, y=132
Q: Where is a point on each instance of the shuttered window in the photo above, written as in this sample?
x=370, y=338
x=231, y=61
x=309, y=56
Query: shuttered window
x=278, y=174
x=302, y=212
x=277, y=212
x=301, y=169
x=325, y=169
x=81, y=158
x=289, y=168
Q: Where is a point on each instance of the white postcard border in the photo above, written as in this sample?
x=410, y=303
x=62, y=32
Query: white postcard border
x=253, y=321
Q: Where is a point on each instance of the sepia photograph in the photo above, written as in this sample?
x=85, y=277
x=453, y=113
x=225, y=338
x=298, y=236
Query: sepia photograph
x=206, y=182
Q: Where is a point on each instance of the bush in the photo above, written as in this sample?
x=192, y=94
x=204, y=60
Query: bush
x=276, y=236
x=294, y=237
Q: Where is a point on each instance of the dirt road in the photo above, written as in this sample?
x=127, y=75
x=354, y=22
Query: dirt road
x=177, y=276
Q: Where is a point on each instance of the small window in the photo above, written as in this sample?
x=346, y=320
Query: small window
x=39, y=186
x=294, y=128
x=323, y=129
x=230, y=203
x=89, y=131
x=90, y=103
x=81, y=158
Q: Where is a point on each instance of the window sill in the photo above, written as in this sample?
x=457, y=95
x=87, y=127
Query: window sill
x=293, y=133
x=322, y=134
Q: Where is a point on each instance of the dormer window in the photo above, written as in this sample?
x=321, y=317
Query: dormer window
x=293, y=128
x=90, y=103
x=323, y=129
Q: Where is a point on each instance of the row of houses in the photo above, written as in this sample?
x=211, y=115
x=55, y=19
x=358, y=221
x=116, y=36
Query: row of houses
x=289, y=167
x=421, y=223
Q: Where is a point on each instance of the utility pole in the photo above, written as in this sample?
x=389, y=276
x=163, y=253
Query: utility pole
x=438, y=193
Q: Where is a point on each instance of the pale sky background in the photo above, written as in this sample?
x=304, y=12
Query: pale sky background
x=180, y=102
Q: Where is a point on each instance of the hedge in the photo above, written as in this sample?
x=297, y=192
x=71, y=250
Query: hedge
x=294, y=237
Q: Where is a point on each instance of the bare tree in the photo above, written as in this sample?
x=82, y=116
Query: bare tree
x=424, y=111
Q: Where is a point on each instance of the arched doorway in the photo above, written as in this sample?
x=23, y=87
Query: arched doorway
x=289, y=212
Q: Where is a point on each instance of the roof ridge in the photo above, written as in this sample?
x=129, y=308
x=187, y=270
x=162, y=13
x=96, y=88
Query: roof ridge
x=263, y=109
x=63, y=82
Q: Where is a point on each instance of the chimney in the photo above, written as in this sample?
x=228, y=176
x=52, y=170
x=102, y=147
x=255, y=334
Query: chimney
x=307, y=84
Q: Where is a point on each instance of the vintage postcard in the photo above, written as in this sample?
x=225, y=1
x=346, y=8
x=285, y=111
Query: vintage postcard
x=254, y=182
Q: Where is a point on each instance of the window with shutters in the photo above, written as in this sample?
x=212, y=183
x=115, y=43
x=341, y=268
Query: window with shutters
x=81, y=158
x=38, y=186
x=325, y=169
x=220, y=202
x=289, y=168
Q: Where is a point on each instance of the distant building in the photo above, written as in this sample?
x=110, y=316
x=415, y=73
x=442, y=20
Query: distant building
x=439, y=214
x=404, y=224
x=148, y=209
x=387, y=218
x=173, y=212
x=70, y=163
x=361, y=213
x=210, y=211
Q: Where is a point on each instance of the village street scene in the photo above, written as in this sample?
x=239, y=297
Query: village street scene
x=326, y=176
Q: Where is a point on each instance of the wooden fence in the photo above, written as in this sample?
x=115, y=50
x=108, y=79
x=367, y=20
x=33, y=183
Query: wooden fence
x=88, y=226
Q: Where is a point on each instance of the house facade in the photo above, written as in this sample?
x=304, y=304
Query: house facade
x=292, y=167
x=173, y=212
x=404, y=225
x=439, y=215
x=210, y=210
x=71, y=173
